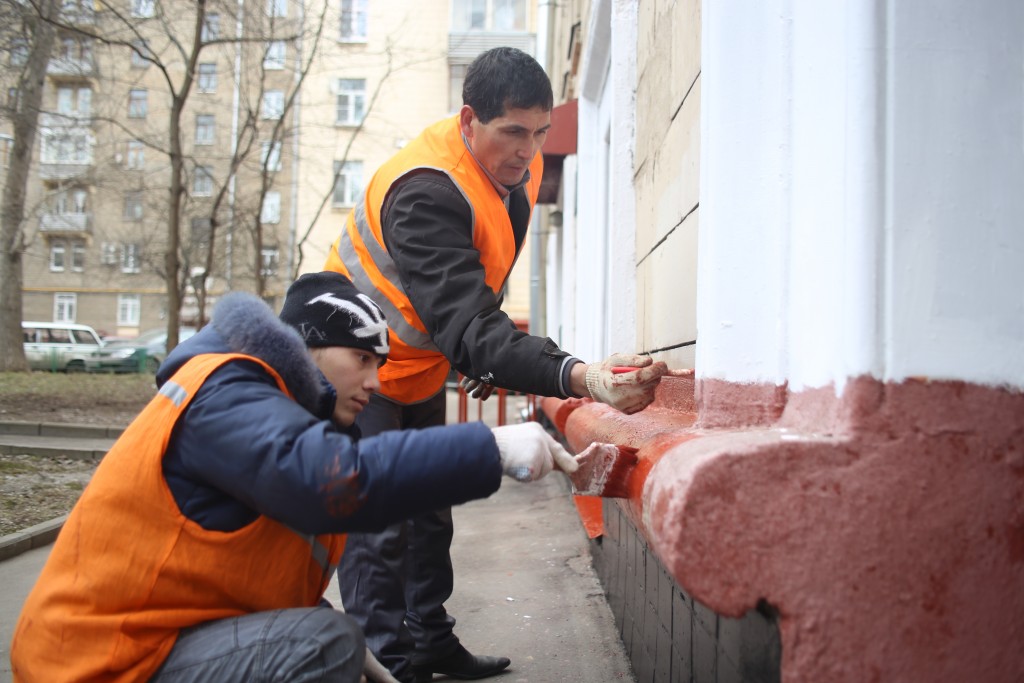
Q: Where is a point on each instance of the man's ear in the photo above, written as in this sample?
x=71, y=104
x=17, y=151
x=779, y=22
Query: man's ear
x=466, y=116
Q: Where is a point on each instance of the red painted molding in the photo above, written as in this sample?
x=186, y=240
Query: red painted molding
x=886, y=524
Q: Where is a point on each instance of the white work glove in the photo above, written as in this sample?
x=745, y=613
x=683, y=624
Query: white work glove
x=477, y=388
x=630, y=391
x=528, y=452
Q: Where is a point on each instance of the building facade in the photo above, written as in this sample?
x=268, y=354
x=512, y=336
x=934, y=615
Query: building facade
x=291, y=105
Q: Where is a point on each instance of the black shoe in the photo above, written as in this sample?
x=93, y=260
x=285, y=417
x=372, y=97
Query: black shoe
x=461, y=664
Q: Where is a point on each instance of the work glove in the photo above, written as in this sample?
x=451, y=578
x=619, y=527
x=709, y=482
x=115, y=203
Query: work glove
x=477, y=388
x=528, y=453
x=629, y=391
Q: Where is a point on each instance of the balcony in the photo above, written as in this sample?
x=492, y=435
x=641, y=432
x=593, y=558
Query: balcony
x=65, y=223
x=63, y=66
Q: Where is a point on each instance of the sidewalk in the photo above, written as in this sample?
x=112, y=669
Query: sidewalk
x=525, y=586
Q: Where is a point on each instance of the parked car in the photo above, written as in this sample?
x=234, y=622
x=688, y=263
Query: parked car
x=142, y=354
x=59, y=346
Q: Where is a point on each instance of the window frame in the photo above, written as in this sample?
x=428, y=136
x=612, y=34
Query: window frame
x=270, y=210
x=130, y=254
x=354, y=104
x=350, y=173
x=353, y=21
x=138, y=103
x=202, y=182
x=206, y=79
x=58, y=255
x=65, y=307
x=269, y=110
x=272, y=60
x=206, y=129
x=129, y=310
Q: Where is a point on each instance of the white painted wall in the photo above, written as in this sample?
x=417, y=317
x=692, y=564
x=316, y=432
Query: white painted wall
x=605, y=275
x=862, y=211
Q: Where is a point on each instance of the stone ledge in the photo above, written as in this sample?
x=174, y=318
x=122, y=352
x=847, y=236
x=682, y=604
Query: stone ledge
x=31, y=538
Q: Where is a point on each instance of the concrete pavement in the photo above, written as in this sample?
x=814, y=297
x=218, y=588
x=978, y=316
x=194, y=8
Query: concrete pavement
x=525, y=585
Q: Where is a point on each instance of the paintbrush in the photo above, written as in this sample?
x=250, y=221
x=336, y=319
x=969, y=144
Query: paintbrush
x=681, y=372
x=604, y=470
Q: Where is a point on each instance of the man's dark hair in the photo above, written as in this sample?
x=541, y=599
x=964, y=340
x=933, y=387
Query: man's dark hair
x=505, y=77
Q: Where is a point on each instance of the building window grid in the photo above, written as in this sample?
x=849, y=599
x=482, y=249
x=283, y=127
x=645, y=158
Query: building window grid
x=211, y=27
x=129, y=310
x=205, y=129
x=270, y=156
x=135, y=157
x=202, y=182
x=273, y=104
x=58, y=253
x=130, y=258
x=143, y=9
x=277, y=8
x=351, y=101
x=273, y=59
x=138, y=103
x=270, y=212
x=207, y=79
x=270, y=258
x=353, y=20
x=489, y=15
x=133, y=206
x=348, y=183
x=64, y=307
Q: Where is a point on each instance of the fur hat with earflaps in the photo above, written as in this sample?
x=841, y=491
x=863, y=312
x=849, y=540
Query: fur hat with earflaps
x=327, y=310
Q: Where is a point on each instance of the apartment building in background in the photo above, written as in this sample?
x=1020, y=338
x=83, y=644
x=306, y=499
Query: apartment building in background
x=293, y=105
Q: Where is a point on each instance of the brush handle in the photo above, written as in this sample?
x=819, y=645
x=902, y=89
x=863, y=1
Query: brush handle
x=621, y=369
x=684, y=372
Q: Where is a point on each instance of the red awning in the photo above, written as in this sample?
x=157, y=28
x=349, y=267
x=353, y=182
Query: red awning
x=560, y=142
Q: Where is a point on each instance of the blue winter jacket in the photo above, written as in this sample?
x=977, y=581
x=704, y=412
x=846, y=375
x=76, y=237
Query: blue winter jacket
x=243, y=448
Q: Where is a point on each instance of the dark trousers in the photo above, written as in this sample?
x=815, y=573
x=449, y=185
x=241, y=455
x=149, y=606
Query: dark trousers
x=394, y=583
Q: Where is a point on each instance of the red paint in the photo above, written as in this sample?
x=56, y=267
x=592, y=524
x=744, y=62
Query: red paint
x=591, y=511
x=886, y=524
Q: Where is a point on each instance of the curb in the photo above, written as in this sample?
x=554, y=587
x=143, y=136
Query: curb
x=59, y=429
x=31, y=538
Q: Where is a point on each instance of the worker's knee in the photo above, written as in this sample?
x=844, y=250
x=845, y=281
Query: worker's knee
x=336, y=642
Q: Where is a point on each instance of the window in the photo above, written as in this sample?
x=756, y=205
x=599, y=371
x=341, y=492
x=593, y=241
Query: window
x=270, y=259
x=201, y=228
x=211, y=28
x=71, y=201
x=271, y=209
x=456, y=77
x=275, y=55
x=273, y=104
x=353, y=20
x=202, y=182
x=270, y=156
x=78, y=256
x=207, y=77
x=138, y=103
x=143, y=8
x=489, y=15
x=74, y=101
x=129, y=310
x=66, y=146
x=19, y=52
x=351, y=102
x=139, y=52
x=133, y=206
x=108, y=253
x=58, y=250
x=64, y=306
x=135, y=158
x=205, y=129
x=129, y=258
x=277, y=8
x=348, y=182
x=6, y=147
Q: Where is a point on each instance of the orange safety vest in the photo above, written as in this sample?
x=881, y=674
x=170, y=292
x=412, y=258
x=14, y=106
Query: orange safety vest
x=416, y=369
x=129, y=570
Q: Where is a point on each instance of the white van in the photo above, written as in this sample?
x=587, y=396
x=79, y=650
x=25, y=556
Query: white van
x=59, y=346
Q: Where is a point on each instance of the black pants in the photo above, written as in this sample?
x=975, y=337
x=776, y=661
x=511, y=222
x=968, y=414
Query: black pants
x=394, y=583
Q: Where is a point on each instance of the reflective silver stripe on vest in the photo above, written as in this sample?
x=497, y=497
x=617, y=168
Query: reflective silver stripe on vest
x=320, y=553
x=347, y=253
x=175, y=392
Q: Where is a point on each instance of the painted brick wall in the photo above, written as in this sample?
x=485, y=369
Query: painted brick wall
x=669, y=636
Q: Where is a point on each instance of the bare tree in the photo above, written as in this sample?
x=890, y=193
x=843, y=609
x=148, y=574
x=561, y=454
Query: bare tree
x=39, y=35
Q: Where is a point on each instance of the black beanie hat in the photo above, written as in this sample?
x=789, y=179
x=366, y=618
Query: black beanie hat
x=328, y=310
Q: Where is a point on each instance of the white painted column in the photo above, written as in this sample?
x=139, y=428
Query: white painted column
x=861, y=203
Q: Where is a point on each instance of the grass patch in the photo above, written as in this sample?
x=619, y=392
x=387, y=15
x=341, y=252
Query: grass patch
x=17, y=468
